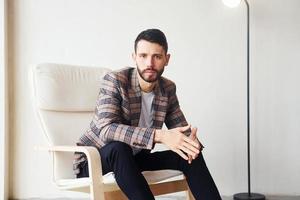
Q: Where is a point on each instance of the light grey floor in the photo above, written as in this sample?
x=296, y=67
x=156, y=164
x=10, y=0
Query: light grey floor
x=170, y=197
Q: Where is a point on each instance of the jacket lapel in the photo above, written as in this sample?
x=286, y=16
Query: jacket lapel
x=134, y=93
x=159, y=105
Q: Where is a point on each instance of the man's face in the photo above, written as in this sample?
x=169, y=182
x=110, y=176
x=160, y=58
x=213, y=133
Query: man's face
x=151, y=60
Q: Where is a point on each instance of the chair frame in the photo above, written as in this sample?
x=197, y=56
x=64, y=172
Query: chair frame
x=101, y=191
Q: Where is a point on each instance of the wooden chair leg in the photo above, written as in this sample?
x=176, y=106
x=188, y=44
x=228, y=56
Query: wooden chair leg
x=96, y=193
x=115, y=195
x=189, y=195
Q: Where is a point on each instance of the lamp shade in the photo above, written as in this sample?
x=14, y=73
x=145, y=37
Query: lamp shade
x=231, y=3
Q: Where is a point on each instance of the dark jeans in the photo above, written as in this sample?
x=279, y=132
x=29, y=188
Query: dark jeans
x=118, y=158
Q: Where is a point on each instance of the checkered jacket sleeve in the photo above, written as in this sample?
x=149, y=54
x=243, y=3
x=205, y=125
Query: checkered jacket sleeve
x=174, y=116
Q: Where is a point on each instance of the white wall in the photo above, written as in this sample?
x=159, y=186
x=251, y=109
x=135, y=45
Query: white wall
x=3, y=96
x=277, y=110
x=207, y=42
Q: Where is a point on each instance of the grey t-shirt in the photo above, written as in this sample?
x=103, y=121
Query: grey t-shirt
x=146, y=118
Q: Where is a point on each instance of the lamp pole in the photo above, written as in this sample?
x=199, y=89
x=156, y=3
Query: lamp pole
x=247, y=195
x=248, y=95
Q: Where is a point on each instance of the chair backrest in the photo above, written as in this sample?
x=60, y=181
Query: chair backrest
x=65, y=97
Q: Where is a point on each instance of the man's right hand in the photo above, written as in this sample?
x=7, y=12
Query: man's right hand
x=178, y=142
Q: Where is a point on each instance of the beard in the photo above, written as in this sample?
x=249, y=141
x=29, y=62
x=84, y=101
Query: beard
x=150, y=79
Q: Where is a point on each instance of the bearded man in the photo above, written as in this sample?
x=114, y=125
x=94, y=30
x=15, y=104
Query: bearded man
x=132, y=106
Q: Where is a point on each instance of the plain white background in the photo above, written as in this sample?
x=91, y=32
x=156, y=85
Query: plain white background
x=208, y=62
x=3, y=96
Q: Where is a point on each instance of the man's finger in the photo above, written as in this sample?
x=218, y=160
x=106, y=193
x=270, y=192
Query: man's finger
x=191, y=148
x=192, y=142
x=188, y=151
x=180, y=153
x=193, y=136
x=194, y=132
x=190, y=159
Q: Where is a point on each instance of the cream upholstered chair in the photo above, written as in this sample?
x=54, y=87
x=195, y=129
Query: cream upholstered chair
x=65, y=96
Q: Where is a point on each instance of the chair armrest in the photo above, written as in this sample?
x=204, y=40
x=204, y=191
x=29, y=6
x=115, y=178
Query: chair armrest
x=92, y=154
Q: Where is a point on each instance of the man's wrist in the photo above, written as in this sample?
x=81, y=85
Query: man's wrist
x=158, y=136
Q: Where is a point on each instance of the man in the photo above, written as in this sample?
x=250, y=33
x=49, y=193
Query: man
x=131, y=108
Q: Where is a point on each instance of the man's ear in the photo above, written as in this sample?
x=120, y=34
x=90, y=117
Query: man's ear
x=167, y=58
x=133, y=55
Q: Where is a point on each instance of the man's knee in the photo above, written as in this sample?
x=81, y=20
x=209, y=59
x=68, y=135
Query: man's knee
x=116, y=149
x=115, y=155
x=120, y=146
x=199, y=160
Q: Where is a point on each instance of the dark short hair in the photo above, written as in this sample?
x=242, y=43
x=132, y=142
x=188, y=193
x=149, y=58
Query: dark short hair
x=154, y=36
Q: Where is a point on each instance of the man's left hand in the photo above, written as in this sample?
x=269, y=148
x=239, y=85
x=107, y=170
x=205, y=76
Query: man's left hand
x=193, y=136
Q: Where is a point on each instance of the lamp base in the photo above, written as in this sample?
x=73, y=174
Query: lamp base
x=246, y=196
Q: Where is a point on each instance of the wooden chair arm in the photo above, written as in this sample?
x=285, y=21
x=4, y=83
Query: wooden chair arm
x=92, y=154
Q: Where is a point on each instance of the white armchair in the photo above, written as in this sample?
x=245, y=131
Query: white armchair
x=65, y=97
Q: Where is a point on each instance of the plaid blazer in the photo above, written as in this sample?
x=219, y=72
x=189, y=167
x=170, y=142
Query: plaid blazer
x=118, y=110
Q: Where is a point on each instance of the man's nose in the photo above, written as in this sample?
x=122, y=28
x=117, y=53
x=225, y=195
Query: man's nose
x=149, y=62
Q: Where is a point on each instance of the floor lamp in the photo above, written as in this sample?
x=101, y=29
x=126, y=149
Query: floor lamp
x=247, y=195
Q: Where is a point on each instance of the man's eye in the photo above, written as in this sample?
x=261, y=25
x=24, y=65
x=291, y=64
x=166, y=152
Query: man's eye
x=158, y=57
x=142, y=56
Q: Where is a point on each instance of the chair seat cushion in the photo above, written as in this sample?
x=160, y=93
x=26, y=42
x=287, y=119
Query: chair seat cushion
x=109, y=178
x=151, y=176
